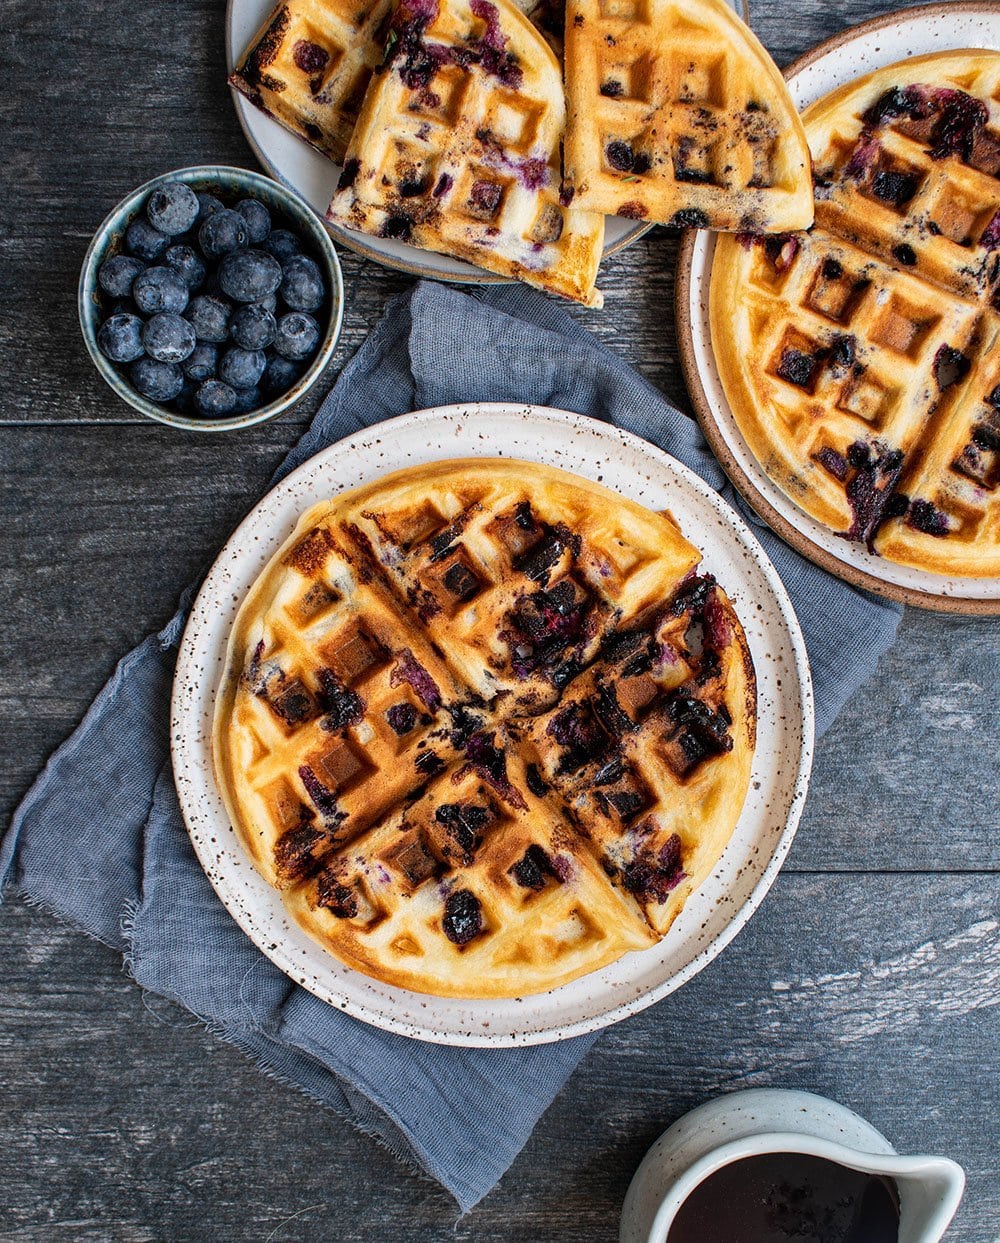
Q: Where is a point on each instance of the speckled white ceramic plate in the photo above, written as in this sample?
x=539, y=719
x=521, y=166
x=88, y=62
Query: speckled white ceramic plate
x=849, y=55
x=712, y=916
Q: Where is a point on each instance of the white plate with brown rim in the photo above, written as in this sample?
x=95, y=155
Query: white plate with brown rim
x=841, y=59
x=713, y=914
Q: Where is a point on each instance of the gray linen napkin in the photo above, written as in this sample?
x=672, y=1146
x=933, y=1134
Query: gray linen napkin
x=99, y=838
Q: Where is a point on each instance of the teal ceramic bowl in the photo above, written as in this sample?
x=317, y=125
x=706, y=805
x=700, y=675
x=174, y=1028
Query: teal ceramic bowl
x=230, y=185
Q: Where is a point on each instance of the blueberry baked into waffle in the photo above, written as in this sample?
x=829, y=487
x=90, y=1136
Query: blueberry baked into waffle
x=860, y=359
x=458, y=148
x=677, y=114
x=485, y=726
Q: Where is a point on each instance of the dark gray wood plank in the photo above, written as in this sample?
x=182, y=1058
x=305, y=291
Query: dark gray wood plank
x=120, y=1118
x=136, y=1125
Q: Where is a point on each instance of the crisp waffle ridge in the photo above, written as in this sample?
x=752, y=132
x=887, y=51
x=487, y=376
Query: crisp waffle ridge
x=458, y=147
x=860, y=358
x=485, y=726
x=677, y=114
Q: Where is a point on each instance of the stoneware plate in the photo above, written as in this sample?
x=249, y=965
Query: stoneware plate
x=712, y=916
x=849, y=55
x=300, y=167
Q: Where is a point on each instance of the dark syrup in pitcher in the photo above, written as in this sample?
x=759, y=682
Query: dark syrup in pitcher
x=783, y=1196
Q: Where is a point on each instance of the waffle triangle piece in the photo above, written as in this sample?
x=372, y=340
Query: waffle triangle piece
x=457, y=148
x=309, y=65
x=677, y=114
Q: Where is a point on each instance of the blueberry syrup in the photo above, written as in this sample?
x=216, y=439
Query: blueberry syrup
x=777, y=1197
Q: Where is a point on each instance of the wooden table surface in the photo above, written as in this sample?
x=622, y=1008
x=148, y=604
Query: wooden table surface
x=870, y=974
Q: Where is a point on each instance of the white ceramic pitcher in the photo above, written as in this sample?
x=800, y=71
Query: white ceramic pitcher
x=746, y=1124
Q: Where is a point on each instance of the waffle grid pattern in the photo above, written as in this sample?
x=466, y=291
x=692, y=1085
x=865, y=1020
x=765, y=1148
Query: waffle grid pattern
x=310, y=64
x=675, y=116
x=461, y=702
x=464, y=159
x=865, y=373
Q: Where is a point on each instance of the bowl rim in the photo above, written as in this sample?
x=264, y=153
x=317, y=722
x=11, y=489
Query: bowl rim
x=251, y=180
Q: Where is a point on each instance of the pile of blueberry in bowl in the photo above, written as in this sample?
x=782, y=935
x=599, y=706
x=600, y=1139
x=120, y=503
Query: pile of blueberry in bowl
x=211, y=298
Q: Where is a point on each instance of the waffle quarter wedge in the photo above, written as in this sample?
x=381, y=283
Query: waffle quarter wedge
x=860, y=359
x=309, y=66
x=485, y=726
x=677, y=114
x=458, y=148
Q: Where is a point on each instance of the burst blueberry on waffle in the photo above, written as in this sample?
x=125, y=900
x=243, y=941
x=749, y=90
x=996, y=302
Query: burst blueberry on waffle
x=485, y=726
x=860, y=359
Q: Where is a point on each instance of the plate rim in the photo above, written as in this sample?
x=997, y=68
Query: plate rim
x=356, y=241
x=924, y=598
x=797, y=788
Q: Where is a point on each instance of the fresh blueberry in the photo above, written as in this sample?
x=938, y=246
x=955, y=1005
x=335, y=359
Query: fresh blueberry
x=145, y=242
x=221, y=233
x=155, y=380
x=159, y=289
x=281, y=244
x=188, y=265
x=207, y=204
x=279, y=375
x=115, y=275
x=248, y=399
x=297, y=336
x=168, y=338
x=302, y=284
x=257, y=217
x=269, y=303
x=214, y=399
x=253, y=326
x=120, y=338
x=212, y=285
x=201, y=363
x=209, y=317
x=172, y=208
x=249, y=275
x=241, y=368
x=184, y=401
